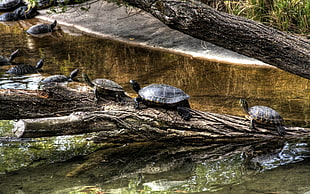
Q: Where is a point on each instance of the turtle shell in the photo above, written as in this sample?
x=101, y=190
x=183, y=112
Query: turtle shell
x=8, y=61
x=8, y=5
x=56, y=78
x=22, y=69
x=106, y=84
x=162, y=93
x=24, y=12
x=25, y=68
x=266, y=115
x=41, y=28
x=61, y=78
x=9, y=16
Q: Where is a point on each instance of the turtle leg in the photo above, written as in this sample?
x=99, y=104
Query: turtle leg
x=252, y=124
x=281, y=130
x=184, y=113
x=96, y=95
x=137, y=102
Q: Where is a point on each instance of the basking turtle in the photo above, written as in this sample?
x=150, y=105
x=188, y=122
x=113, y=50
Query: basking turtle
x=105, y=87
x=8, y=61
x=61, y=78
x=263, y=115
x=25, y=69
x=41, y=29
x=25, y=12
x=163, y=95
x=8, y=5
x=9, y=16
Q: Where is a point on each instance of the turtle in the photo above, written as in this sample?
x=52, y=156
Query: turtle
x=41, y=28
x=25, y=68
x=8, y=61
x=8, y=5
x=105, y=87
x=25, y=12
x=162, y=95
x=263, y=115
x=9, y=16
x=61, y=78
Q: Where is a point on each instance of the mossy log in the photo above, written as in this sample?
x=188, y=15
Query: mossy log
x=74, y=112
x=285, y=51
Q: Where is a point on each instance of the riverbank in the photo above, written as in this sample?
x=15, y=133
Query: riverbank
x=134, y=26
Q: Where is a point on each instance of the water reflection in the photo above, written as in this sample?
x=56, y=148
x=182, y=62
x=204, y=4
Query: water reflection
x=151, y=167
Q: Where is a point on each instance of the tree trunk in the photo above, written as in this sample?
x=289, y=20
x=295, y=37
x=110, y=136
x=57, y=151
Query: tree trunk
x=238, y=34
x=120, y=122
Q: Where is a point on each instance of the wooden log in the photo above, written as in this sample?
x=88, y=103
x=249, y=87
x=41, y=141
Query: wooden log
x=244, y=36
x=75, y=112
x=125, y=124
x=51, y=101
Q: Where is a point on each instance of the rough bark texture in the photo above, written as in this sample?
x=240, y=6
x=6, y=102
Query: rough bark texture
x=238, y=34
x=52, y=101
x=120, y=122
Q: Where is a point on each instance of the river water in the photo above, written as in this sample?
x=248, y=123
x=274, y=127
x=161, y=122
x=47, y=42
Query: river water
x=46, y=165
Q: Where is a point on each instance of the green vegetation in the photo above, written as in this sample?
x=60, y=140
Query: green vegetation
x=285, y=15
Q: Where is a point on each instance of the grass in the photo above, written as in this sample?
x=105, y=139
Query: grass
x=285, y=15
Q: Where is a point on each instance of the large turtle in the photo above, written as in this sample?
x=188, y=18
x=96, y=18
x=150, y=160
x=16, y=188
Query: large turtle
x=105, y=87
x=25, y=68
x=8, y=5
x=8, y=61
x=263, y=115
x=25, y=12
x=9, y=16
x=163, y=95
x=61, y=78
x=39, y=29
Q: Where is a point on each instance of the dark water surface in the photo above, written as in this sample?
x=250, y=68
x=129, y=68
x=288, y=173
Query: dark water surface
x=261, y=167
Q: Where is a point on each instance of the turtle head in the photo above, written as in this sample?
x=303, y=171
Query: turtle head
x=53, y=25
x=244, y=104
x=15, y=54
x=87, y=80
x=74, y=73
x=40, y=64
x=135, y=85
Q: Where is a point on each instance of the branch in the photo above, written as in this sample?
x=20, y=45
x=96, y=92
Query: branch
x=238, y=34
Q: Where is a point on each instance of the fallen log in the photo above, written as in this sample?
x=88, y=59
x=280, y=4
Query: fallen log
x=285, y=51
x=75, y=112
x=125, y=124
x=50, y=102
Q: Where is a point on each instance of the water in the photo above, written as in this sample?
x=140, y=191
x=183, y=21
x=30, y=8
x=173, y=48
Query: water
x=281, y=167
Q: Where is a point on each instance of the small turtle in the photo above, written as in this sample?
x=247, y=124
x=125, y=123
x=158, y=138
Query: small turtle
x=263, y=115
x=61, y=78
x=41, y=29
x=25, y=69
x=163, y=95
x=8, y=61
x=8, y=5
x=25, y=12
x=9, y=16
x=105, y=87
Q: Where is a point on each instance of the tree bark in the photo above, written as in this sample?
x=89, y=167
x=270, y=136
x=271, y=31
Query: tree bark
x=244, y=36
x=120, y=122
